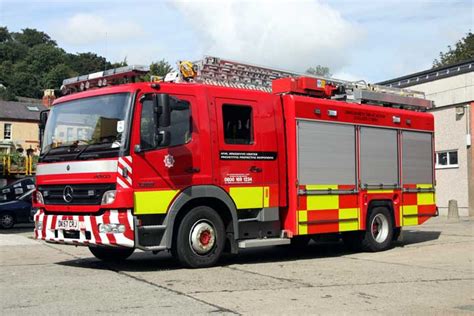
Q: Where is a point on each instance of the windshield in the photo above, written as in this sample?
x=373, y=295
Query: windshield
x=87, y=125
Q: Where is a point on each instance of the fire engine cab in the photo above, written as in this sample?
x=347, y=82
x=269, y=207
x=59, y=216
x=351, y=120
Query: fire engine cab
x=223, y=155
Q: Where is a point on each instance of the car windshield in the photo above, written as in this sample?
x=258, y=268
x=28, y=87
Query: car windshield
x=89, y=124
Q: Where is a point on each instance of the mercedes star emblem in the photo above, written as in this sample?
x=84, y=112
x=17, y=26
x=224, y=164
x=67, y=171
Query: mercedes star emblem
x=67, y=194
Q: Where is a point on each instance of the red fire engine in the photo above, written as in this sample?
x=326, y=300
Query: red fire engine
x=223, y=155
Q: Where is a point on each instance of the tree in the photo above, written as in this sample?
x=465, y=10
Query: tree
x=463, y=50
x=85, y=63
x=122, y=63
x=4, y=34
x=160, y=68
x=54, y=78
x=6, y=94
x=319, y=71
x=33, y=37
x=43, y=57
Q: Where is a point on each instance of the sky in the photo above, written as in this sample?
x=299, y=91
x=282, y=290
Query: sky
x=358, y=40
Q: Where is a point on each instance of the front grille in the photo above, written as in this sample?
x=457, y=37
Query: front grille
x=82, y=194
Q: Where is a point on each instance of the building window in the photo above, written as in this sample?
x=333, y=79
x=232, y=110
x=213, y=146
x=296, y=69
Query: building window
x=7, y=131
x=447, y=159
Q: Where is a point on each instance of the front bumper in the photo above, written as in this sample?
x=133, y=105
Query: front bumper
x=88, y=229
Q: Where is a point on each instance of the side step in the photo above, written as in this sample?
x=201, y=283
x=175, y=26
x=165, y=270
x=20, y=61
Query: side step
x=263, y=242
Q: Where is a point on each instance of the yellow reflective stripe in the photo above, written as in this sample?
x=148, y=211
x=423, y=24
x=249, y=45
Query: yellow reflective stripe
x=410, y=213
x=426, y=198
x=424, y=186
x=321, y=186
x=348, y=213
x=302, y=218
x=348, y=219
x=379, y=191
x=322, y=202
x=247, y=197
x=266, y=197
x=153, y=202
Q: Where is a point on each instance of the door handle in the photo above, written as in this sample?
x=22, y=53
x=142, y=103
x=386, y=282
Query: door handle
x=192, y=170
x=255, y=169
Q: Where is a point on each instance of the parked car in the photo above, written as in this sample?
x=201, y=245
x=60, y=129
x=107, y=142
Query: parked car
x=16, y=189
x=16, y=211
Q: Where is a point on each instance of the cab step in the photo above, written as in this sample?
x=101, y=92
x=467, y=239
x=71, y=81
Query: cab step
x=263, y=242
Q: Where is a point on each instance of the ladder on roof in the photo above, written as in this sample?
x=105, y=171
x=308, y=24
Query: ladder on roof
x=224, y=72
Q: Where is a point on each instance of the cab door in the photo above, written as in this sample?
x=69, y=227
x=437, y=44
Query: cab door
x=160, y=172
x=240, y=157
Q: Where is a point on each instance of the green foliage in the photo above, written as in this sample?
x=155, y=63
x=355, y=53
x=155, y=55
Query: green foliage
x=85, y=63
x=319, y=71
x=30, y=62
x=463, y=50
x=6, y=94
x=4, y=34
x=160, y=68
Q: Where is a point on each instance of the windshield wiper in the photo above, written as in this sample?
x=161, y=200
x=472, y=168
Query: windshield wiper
x=99, y=146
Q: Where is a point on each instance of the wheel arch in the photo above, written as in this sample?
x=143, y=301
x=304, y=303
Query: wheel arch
x=207, y=195
x=382, y=203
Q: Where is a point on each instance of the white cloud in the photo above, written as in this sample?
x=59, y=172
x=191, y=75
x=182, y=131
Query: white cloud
x=84, y=28
x=291, y=35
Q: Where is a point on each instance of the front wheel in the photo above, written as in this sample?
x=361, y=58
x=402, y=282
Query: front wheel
x=6, y=221
x=111, y=254
x=379, y=233
x=200, y=239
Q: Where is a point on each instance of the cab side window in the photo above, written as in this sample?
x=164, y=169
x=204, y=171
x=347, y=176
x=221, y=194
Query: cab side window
x=147, y=125
x=238, y=124
x=180, y=124
x=180, y=127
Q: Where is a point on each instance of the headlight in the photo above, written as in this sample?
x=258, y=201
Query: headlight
x=39, y=197
x=108, y=197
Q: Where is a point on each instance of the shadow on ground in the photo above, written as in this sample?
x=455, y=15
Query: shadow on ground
x=145, y=261
x=19, y=229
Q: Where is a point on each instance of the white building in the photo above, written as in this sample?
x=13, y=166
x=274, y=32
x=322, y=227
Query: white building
x=451, y=88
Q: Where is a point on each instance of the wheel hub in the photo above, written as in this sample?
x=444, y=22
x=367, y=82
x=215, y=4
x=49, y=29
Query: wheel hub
x=202, y=237
x=6, y=220
x=379, y=228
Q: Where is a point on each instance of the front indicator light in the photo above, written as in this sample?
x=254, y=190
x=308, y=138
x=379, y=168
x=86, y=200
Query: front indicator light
x=39, y=197
x=108, y=197
x=39, y=225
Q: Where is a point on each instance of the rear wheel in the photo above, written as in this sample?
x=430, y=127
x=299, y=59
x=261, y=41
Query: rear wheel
x=379, y=232
x=200, y=239
x=6, y=221
x=111, y=254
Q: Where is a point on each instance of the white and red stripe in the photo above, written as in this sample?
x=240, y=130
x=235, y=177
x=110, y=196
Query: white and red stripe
x=124, y=179
x=88, y=224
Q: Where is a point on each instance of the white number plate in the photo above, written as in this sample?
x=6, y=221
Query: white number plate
x=68, y=224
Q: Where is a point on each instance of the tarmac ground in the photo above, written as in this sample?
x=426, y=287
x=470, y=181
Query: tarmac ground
x=429, y=271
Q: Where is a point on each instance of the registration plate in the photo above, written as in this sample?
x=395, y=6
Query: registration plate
x=68, y=224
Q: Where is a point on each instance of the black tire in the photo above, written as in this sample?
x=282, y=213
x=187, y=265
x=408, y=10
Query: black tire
x=7, y=221
x=396, y=233
x=111, y=254
x=353, y=240
x=379, y=230
x=200, y=239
